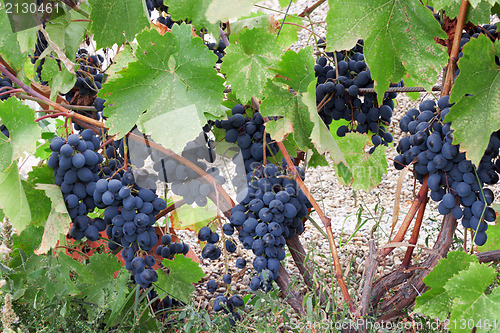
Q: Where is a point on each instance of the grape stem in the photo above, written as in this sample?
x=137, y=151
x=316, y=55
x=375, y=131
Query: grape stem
x=52, y=115
x=452, y=62
x=326, y=221
x=72, y=249
x=301, y=26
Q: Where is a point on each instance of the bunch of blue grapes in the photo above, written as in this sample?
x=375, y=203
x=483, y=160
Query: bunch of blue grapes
x=340, y=98
x=75, y=162
x=251, y=139
x=454, y=181
x=218, y=49
x=268, y=212
x=212, y=251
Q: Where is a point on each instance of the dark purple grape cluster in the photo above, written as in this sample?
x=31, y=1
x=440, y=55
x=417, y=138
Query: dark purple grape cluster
x=218, y=49
x=250, y=136
x=454, y=181
x=269, y=211
x=75, y=162
x=340, y=97
x=40, y=46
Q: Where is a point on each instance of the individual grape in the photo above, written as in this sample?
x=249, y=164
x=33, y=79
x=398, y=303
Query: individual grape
x=226, y=278
x=212, y=286
x=204, y=234
x=241, y=263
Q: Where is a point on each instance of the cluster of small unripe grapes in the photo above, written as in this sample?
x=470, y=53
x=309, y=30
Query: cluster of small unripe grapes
x=340, y=98
x=454, y=181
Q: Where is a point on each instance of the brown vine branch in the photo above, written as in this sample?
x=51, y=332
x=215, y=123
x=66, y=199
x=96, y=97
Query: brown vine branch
x=421, y=197
x=452, y=62
x=371, y=270
x=308, y=10
x=415, y=233
x=488, y=256
x=32, y=92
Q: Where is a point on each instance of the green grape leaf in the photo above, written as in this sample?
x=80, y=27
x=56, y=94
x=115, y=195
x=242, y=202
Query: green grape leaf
x=194, y=10
x=65, y=36
x=437, y=302
x=27, y=39
x=495, y=10
x=191, y=218
x=25, y=244
x=366, y=169
x=5, y=152
x=254, y=20
x=13, y=199
x=60, y=79
x=249, y=61
x=23, y=131
x=285, y=3
x=223, y=10
x=116, y=21
x=11, y=51
x=289, y=32
x=321, y=137
x=40, y=204
x=178, y=282
x=172, y=71
x=470, y=303
x=104, y=286
x=296, y=69
x=296, y=119
x=475, y=117
x=58, y=222
x=493, y=240
x=121, y=61
x=478, y=14
x=398, y=34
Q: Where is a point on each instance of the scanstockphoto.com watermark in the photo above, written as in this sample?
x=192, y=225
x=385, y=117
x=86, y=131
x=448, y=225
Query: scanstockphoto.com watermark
x=427, y=326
